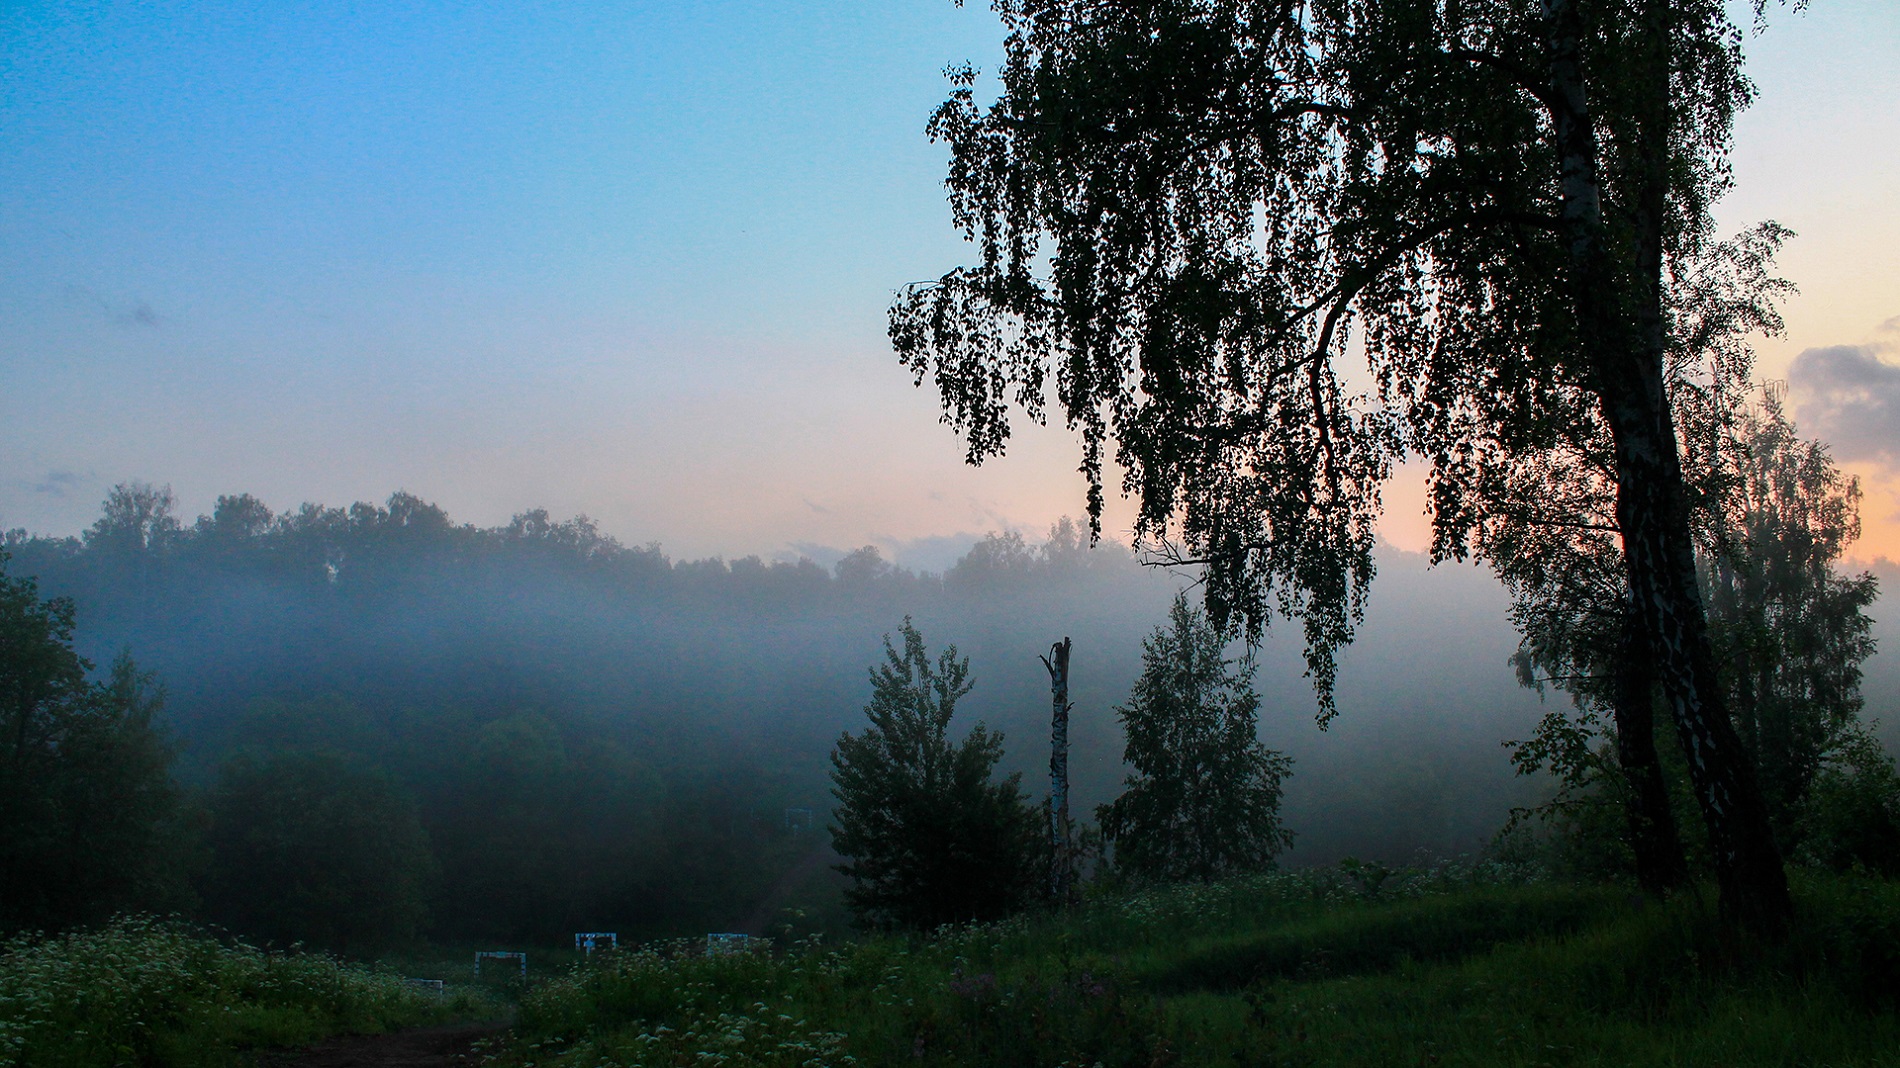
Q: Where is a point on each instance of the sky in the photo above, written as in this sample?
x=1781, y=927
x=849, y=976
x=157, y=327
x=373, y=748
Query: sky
x=633, y=261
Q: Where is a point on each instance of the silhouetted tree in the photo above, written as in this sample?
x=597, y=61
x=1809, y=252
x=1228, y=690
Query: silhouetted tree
x=862, y=567
x=235, y=520
x=137, y=517
x=85, y=794
x=1204, y=798
x=1790, y=631
x=1552, y=533
x=929, y=837
x=1184, y=211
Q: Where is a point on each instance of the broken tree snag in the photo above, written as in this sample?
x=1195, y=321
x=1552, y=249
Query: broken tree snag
x=1061, y=877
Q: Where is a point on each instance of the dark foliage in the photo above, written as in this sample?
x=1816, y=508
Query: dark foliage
x=312, y=847
x=1790, y=630
x=1204, y=799
x=595, y=736
x=1185, y=213
x=930, y=838
x=87, y=807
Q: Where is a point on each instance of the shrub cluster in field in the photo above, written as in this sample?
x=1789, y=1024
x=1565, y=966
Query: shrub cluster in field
x=884, y=1001
x=672, y=1002
x=1355, y=965
x=141, y=991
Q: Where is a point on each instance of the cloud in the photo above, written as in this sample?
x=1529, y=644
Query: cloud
x=59, y=484
x=1848, y=397
x=137, y=313
x=931, y=552
x=823, y=555
x=140, y=314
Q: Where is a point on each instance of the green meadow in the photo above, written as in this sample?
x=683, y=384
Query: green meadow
x=1461, y=965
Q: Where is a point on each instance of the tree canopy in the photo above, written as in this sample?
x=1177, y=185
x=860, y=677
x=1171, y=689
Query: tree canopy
x=1191, y=214
x=1790, y=630
x=928, y=836
x=1204, y=797
x=85, y=787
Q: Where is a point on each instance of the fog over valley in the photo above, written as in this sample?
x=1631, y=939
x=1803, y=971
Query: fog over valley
x=673, y=712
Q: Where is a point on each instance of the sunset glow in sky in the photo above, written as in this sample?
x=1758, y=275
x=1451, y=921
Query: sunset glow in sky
x=634, y=260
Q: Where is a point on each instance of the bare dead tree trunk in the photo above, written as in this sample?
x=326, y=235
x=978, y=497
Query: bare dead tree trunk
x=1061, y=875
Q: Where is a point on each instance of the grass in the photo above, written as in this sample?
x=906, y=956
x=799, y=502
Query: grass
x=1456, y=966
x=147, y=992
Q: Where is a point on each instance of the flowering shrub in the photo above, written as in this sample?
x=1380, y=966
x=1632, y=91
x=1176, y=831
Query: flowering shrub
x=142, y=991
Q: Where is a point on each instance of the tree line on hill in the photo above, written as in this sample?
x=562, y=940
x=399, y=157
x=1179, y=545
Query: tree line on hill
x=371, y=724
x=355, y=727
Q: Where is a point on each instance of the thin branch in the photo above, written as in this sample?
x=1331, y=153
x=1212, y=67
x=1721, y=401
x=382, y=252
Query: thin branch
x=1573, y=524
x=1526, y=79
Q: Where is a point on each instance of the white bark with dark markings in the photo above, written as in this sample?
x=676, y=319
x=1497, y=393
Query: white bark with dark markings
x=1619, y=322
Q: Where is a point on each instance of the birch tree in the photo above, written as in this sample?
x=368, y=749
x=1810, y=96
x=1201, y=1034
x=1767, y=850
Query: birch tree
x=1193, y=216
x=1203, y=800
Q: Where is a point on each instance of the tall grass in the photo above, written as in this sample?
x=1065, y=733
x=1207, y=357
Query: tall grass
x=146, y=992
x=1457, y=965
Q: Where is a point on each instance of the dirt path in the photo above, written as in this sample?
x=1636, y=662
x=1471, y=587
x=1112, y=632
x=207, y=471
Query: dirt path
x=429, y=1047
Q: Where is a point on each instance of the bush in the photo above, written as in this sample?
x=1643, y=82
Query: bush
x=140, y=991
x=1851, y=820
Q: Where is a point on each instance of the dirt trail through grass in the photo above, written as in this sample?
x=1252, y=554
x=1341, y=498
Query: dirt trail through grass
x=430, y=1047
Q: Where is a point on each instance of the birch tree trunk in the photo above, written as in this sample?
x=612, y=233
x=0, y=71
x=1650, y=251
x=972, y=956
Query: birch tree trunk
x=1621, y=344
x=1654, y=841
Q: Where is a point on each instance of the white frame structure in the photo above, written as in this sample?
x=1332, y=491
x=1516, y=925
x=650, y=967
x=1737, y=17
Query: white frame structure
x=500, y=954
x=588, y=941
x=722, y=943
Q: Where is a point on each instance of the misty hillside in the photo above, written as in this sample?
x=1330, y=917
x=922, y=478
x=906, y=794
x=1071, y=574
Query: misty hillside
x=644, y=689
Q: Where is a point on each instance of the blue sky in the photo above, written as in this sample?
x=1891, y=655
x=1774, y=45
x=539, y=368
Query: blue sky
x=628, y=260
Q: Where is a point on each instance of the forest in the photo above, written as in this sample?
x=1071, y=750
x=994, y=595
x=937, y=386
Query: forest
x=393, y=737
x=552, y=732
x=361, y=728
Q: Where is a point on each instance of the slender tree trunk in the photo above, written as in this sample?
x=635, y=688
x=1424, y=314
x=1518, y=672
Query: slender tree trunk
x=1661, y=564
x=1660, y=867
x=1620, y=342
x=1060, y=848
